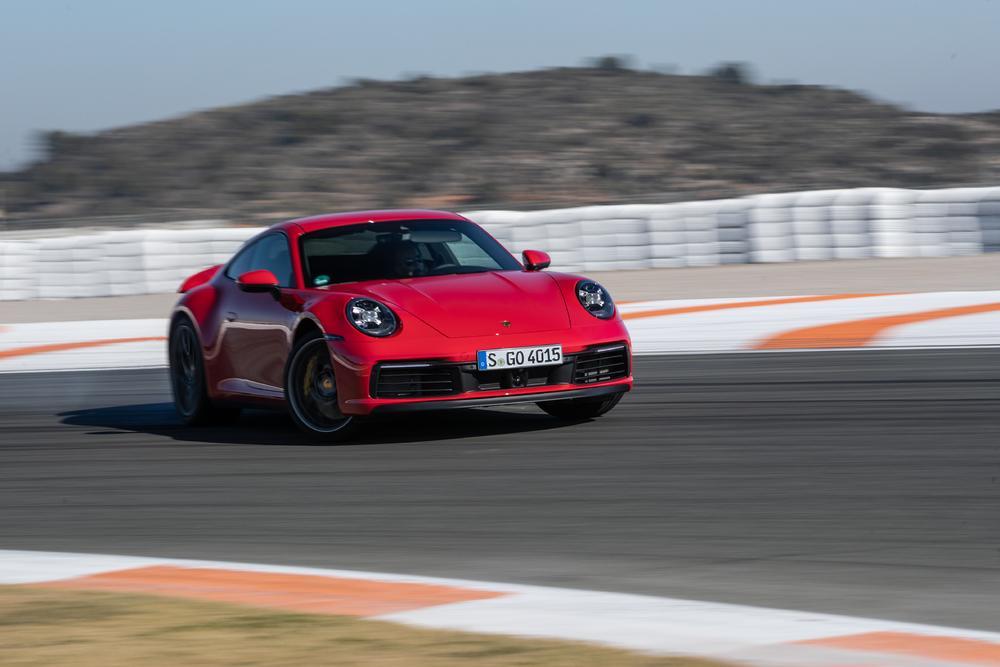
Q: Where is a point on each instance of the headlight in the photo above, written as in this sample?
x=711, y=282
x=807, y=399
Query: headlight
x=371, y=317
x=595, y=299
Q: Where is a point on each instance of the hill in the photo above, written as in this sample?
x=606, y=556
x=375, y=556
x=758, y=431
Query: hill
x=564, y=136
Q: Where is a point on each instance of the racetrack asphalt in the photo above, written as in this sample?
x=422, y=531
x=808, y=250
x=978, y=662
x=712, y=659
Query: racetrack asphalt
x=864, y=483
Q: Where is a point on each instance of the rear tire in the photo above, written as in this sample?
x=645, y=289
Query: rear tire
x=581, y=409
x=311, y=392
x=187, y=379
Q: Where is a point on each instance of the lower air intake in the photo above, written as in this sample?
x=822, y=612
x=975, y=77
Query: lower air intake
x=405, y=381
x=601, y=365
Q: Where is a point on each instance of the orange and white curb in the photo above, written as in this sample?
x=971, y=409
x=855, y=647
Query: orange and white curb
x=838, y=321
x=738, y=634
x=816, y=322
x=86, y=345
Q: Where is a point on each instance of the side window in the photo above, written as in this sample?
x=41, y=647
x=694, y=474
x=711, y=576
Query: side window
x=271, y=253
x=242, y=262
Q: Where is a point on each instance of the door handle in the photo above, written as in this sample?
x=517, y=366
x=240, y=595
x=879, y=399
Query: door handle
x=230, y=316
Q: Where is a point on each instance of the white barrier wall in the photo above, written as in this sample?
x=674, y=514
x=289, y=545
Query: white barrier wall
x=112, y=263
x=784, y=227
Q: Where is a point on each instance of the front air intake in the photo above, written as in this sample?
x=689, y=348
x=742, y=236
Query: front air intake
x=609, y=362
x=414, y=381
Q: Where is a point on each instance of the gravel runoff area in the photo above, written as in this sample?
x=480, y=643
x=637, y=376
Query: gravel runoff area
x=938, y=274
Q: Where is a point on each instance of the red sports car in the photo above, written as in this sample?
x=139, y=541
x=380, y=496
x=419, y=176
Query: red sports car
x=342, y=317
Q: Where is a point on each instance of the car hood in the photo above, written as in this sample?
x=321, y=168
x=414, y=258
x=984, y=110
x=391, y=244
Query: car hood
x=478, y=304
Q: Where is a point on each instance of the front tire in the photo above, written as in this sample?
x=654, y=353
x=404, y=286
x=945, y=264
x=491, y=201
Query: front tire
x=311, y=391
x=187, y=379
x=581, y=409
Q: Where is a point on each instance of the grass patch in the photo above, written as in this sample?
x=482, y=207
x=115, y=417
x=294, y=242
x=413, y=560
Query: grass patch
x=40, y=627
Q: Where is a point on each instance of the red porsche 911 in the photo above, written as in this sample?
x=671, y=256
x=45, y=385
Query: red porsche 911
x=349, y=316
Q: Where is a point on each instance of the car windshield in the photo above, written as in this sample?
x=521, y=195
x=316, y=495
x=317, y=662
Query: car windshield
x=406, y=249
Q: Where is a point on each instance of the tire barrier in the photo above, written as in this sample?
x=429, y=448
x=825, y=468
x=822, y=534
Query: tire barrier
x=816, y=225
x=782, y=227
x=115, y=263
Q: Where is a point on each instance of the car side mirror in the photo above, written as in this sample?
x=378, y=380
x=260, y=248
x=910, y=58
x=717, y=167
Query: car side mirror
x=536, y=260
x=260, y=280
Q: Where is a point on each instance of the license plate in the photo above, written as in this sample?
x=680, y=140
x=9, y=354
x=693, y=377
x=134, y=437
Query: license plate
x=519, y=357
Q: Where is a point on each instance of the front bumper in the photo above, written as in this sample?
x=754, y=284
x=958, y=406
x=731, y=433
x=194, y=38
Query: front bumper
x=361, y=392
x=552, y=394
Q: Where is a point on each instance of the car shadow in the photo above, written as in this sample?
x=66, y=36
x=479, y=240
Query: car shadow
x=273, y=428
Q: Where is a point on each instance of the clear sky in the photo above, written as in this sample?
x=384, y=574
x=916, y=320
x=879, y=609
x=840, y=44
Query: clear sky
x=91, y=64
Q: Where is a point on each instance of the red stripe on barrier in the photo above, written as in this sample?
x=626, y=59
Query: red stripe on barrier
x=682, y=310
x=859, y=333
x=78, y=345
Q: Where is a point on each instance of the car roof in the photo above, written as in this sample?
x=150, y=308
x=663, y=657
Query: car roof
x=317, y=222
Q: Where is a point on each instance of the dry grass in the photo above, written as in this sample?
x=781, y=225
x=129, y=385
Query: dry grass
x=89, y=629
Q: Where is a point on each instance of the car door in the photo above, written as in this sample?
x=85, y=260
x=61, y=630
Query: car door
x=257, y=325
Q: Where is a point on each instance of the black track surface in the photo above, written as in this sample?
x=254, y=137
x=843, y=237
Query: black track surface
x=864, y=483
